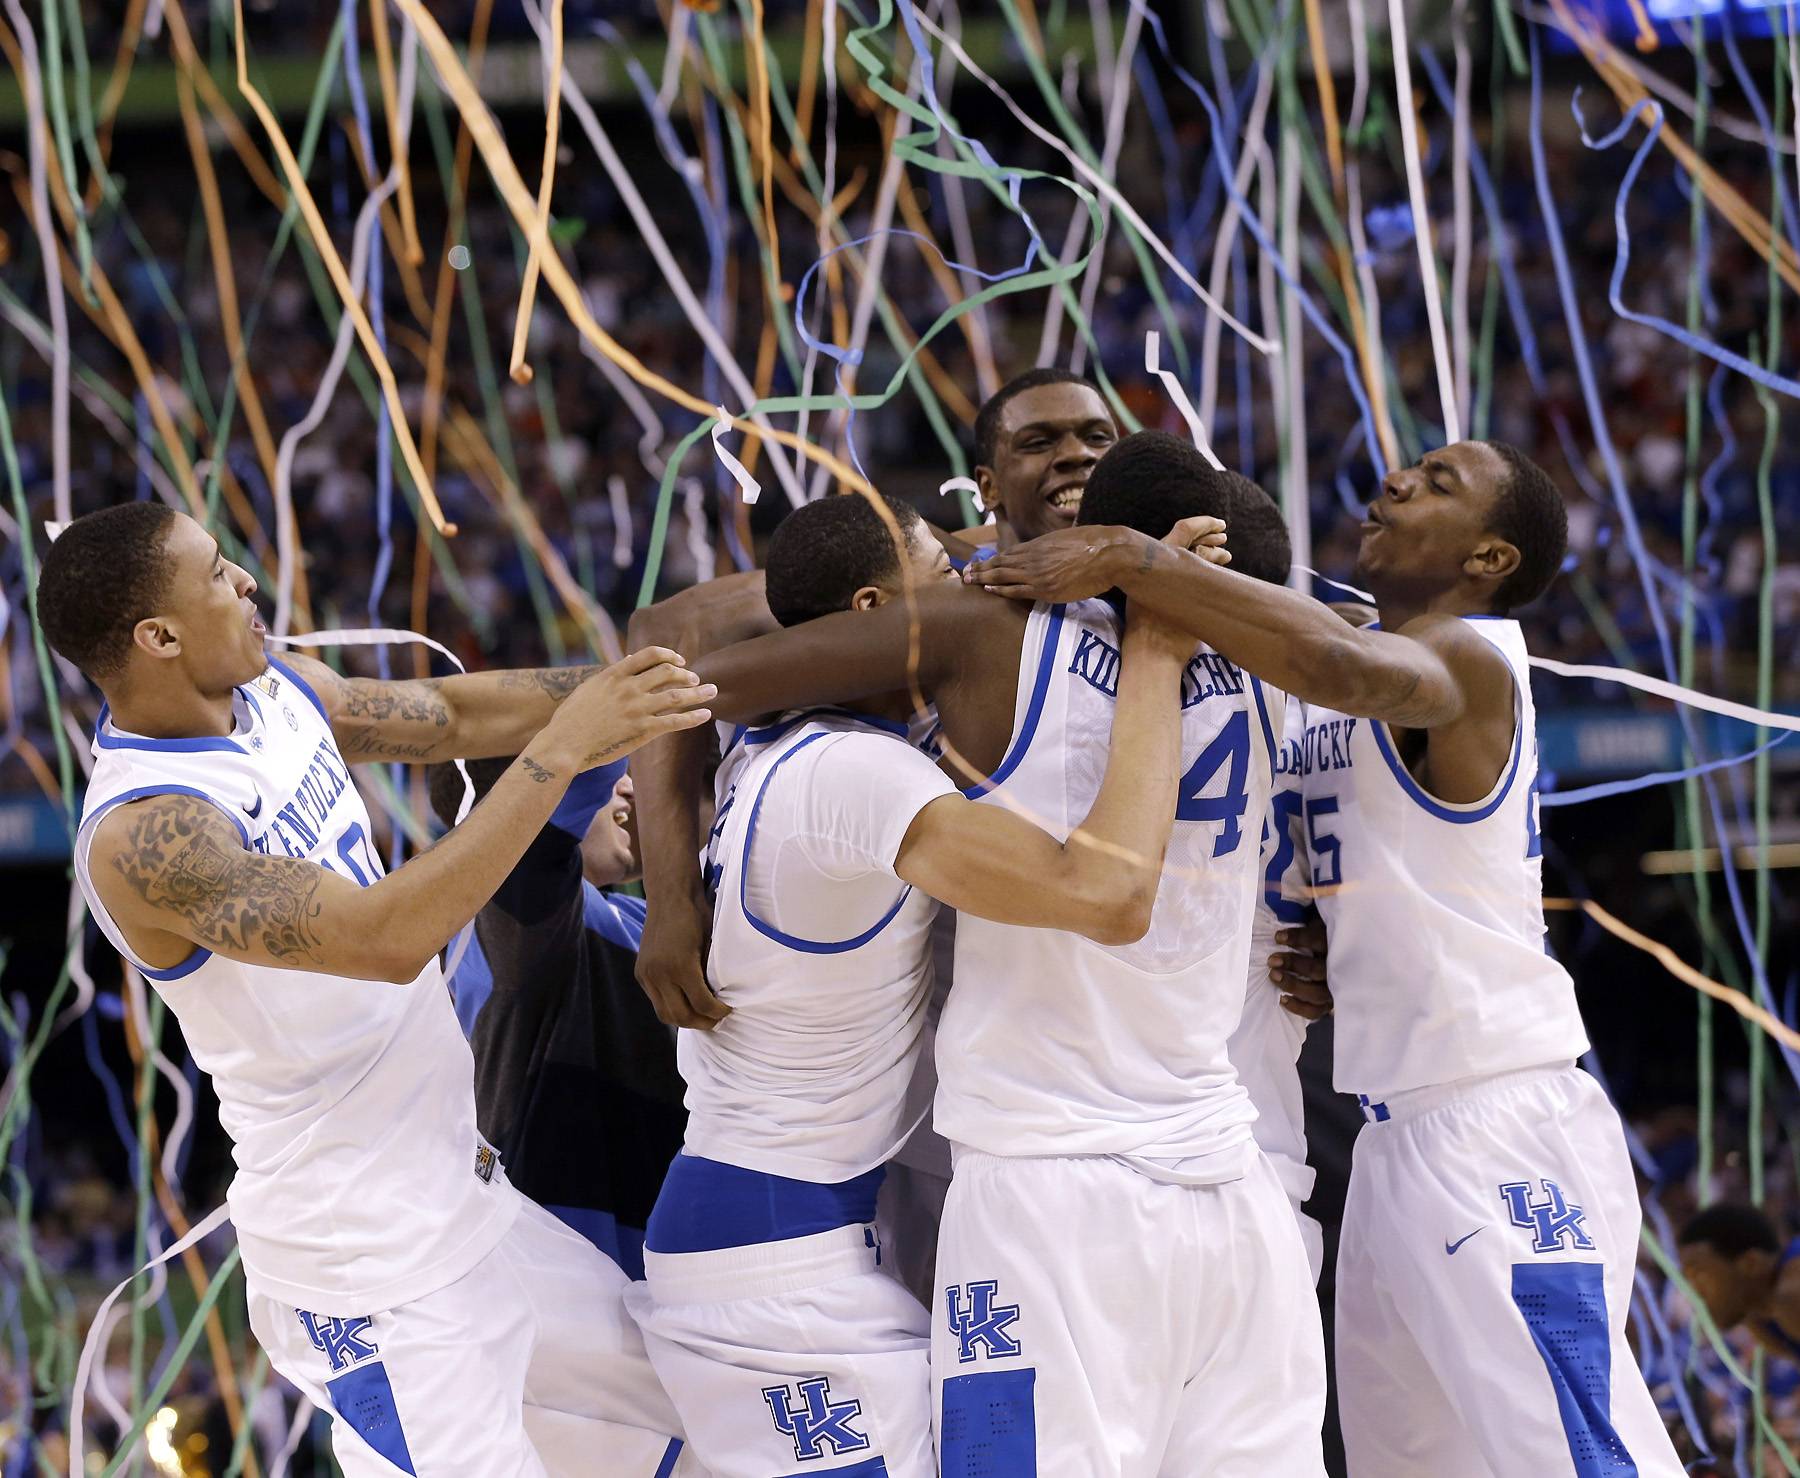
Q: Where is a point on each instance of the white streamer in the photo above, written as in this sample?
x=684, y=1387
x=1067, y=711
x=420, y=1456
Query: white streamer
x=1254, y=146
x=137, y=1003
x=1196, y=427
x=37, y=136
x=699, y=541
x=665, y=261
x=748, y=486
x=962, y=234
x=1763, y=718
x=1103, y=185
x=959, y=485
x=287, y=536
x=97, y=1331
x=621, y=512
x=1415, y=188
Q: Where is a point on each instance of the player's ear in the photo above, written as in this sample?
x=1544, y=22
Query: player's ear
x=1493, y=558
x=868, y=597
x=985, y=489
x=157, y=637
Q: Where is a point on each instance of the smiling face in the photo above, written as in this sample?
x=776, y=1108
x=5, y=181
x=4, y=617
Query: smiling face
x=609, y=852
x=1430, y=527
x=1049, y=439
x=207, y=623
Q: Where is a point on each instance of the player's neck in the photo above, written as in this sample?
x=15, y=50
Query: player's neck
x=1399, y=605
x=170, y=710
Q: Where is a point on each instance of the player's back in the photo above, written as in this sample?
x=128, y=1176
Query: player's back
x=819, y=949
x=1051, y=1044
x=1434, y=911
x=360, y=1176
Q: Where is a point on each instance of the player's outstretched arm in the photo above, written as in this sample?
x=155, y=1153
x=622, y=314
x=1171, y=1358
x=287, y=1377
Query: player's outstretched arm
x=1422, y=677
x=470, y=716
x=671, y=962
x=1102, y=882
x=174, y=873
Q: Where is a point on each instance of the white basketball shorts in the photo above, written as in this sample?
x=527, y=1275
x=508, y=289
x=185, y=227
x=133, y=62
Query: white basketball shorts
x=791, y=1357
x=1483, y=1282
x=526, y=1366
x=1094, y=1323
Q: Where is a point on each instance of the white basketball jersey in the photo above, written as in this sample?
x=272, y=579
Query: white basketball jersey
x=361, y=1181
x=821, y=952
x=1435, y=911
x=1051, y=1044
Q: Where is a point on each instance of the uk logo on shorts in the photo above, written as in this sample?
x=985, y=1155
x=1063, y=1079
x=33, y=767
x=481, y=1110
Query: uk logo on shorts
x=341, y=1341
x=815, y=1419
x=976, y=1320
x=1555, y=1223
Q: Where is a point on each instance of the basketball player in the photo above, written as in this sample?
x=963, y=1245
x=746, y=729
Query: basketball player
x=394, y=1275
x=1490, y=1236
x=776, y=1336
x=1735, y=1261
x=1086, y=1087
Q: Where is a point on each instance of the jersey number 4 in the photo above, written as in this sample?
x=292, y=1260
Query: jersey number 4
x=1229, y=751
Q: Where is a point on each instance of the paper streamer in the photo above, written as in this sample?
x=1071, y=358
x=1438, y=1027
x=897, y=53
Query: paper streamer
x=748, y=487
x=1196, y=427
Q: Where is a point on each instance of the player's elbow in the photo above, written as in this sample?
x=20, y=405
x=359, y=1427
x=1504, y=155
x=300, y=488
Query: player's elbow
x=1121, y=915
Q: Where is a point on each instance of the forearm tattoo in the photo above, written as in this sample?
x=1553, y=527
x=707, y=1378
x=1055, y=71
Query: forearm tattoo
x=556, y=682
x=410, y=702
x=537, y=772
x=181, y=857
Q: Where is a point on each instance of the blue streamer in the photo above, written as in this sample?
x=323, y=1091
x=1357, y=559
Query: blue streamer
x=1659, y=777
x=1622, y=258
x=1628, y=519
x=1310, y=308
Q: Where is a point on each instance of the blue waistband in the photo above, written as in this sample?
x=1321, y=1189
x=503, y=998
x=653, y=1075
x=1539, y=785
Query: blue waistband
x=706, y=1205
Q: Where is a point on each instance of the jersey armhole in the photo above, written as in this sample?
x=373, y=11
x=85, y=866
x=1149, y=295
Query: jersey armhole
x=1451, y=811
x=85, y=841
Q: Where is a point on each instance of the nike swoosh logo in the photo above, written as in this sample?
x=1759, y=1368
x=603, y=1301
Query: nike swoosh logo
x=254, y=811
x=1450, y=1247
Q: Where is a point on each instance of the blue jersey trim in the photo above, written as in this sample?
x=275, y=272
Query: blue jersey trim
x=988, y=1422
x=1262, y=712
x=1564, y=1307
x=364, y=1399
x=869, y=1467
x=769, y=733
x=768, y=930
x=200, y=956
x=163, y=746
x=303, y=685
x=1461, y=815
x=1040, y=687
x=148, y=790
x=707, y=1205
x=670, y=1457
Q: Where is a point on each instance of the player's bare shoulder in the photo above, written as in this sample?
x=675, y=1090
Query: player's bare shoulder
x=174, y=870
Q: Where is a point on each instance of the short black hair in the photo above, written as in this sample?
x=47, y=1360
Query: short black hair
x=1150, y=481
x=987, y=419
x=446, y=786
x=822, y=553
x=1731, y=1230
x=106, y=572
x=1528, y=514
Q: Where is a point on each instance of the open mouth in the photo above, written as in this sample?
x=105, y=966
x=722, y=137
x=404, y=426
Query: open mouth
x=256, y=626
x=1067, y=498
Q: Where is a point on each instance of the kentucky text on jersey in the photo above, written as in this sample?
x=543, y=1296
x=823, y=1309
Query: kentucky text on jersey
x=1324, y=746
x=298, y=824
x=1096, y=661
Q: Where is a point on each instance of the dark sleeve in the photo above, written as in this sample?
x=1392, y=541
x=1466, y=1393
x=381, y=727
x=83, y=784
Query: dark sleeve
x=532, y=933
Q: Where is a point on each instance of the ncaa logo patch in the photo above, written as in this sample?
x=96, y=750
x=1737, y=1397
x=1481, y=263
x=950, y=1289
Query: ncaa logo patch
x=976, y=1320
x=288, y=714
x=1555, y=1223
x=485, y=1160
x=814, y=1418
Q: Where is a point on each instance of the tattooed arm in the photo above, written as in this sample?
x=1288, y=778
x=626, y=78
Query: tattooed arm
x=174, y=874
x=475, y=715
